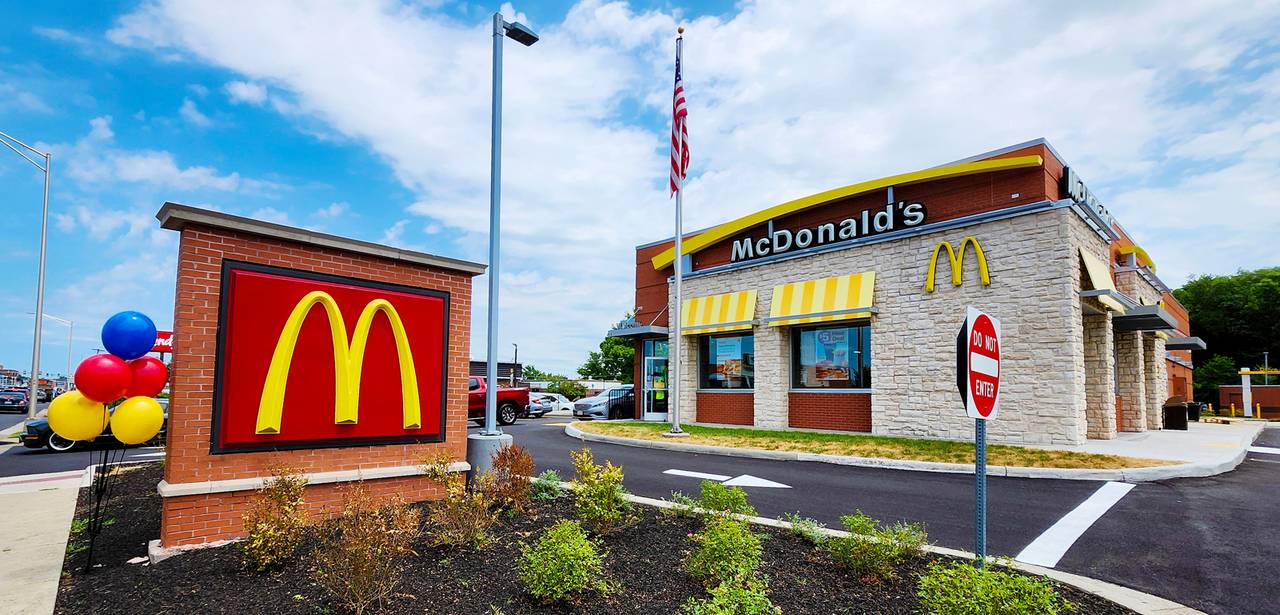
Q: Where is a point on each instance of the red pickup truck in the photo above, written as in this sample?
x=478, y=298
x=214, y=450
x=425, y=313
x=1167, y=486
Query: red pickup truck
x=511, y=401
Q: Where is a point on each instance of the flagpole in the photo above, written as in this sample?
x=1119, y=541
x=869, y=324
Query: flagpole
x=676, y=353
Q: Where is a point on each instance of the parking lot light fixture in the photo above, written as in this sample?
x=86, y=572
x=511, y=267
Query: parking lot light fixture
x=14, y=145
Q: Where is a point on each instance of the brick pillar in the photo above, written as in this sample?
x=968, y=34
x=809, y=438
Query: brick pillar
x=1157, y=379
x=773, y=373
x=1131, y=385
x=1099, y=372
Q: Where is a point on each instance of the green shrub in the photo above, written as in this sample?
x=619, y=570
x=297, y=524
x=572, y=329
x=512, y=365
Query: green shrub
x=737, y=596
x=682, y=506
x=463, y=517
x=598, y=493
x=727, y=548
x=718, y=498
x=546, y=487
x=874, y=551
x=959, y=588
x=275, y=521
x=361, y=555
x=562, y=565
x=806, y=528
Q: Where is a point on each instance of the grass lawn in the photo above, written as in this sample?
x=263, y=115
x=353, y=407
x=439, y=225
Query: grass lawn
x=946, y=451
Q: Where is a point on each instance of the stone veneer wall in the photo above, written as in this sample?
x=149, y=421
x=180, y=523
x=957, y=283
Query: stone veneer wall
x=1131, y=380
x=1100, y=383
x=1157, y=384
x=1034, y=291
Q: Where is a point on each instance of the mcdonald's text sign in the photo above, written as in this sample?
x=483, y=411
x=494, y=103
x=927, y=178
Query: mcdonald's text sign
x=309, y=360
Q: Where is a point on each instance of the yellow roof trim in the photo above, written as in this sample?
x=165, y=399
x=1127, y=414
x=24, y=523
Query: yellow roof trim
x=733, y=227
x=1143, y=257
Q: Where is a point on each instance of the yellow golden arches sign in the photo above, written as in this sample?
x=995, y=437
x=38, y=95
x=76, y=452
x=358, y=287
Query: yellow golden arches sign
x=348, y=360
x=956, y=258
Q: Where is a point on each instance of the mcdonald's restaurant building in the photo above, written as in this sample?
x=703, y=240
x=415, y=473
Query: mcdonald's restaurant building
x=840, y=310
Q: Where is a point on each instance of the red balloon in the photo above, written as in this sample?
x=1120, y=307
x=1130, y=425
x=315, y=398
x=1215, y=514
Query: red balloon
x=149, y=376
x=103, y=378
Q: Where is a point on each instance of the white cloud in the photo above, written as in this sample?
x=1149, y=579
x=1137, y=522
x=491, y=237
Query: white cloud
x=780, y=107
x=191, y=113
x=246, y=92
x=271, y=214
x=333, y=210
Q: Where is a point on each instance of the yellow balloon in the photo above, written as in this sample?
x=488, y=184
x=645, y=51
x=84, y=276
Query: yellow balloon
x=76, y=417
x=137, y=420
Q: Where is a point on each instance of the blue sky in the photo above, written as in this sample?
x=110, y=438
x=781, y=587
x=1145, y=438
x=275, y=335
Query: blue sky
x=369, y=119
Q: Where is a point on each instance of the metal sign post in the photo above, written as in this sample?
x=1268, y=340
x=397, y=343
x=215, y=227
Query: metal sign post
x=978, y=378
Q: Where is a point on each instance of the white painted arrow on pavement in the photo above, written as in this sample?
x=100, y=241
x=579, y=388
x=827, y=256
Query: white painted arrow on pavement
x=747, y=480
x=702, y=475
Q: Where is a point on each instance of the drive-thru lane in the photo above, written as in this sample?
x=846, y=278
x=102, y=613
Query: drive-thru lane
x=1020, y=508
x=1205, y=542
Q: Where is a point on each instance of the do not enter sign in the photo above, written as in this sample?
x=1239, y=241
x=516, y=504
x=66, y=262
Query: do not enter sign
x=978, y=364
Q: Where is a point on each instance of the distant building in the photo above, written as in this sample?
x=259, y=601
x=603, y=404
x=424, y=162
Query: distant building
x=505, y=370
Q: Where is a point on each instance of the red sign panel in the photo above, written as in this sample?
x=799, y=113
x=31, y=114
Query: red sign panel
x=978, y=365
x=308, y=360
x=164, y=342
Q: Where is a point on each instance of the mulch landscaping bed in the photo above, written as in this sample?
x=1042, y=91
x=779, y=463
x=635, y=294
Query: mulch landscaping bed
x=644, y=558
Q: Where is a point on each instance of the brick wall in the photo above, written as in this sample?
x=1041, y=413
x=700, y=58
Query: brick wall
x=201, y=518
x=846, y=411
x=729, y=408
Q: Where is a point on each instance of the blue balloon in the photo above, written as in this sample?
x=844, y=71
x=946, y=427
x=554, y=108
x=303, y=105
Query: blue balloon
x=129, y=335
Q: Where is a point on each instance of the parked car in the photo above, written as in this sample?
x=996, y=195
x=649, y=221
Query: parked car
x=511, y=401
x=542, y=403
x=39, y=435
x=13, y=401
x=613, y=403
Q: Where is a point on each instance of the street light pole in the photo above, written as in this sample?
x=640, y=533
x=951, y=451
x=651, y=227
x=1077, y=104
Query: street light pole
x=515, y=360
x=44, y=233
x=490, y=437
x=71, y=329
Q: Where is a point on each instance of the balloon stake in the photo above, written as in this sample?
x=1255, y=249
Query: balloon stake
x=100, y=491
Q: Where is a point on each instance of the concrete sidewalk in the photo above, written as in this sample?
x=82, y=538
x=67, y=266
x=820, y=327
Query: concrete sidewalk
x=1200, y=443
x=42, y=506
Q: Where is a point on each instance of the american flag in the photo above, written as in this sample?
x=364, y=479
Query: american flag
x=679, y=131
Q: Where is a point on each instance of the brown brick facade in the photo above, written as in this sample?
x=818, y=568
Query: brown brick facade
x=728, y=408
x=844, y=411
x=191, y=519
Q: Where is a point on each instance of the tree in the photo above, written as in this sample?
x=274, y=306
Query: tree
x=569, y=388
x=1238, y=317
x=532, y=373
x=615, y=360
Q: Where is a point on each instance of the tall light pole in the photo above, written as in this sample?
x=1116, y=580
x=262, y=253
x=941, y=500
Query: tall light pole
x=11, y=142
x=515, y=360
x=490, y=437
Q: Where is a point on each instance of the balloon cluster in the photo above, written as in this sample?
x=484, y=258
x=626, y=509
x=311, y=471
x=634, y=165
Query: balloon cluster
x=124, y=372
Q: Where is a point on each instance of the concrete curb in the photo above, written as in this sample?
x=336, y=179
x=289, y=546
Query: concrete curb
x=1184, y=470
x=1129, y=598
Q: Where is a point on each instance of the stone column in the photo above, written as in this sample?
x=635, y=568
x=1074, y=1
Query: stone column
x=688, y=375
x=1131, y=380
x=1157, y=379
x=773, y=373
x=1100, y=379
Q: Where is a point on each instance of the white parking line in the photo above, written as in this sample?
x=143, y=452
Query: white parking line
x=703, y=475
x=1270, y=450
x=1054, y=542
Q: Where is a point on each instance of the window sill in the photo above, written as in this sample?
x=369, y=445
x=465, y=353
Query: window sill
x=838, y=391
x=731, y=391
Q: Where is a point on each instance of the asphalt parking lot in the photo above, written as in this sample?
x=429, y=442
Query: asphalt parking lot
x=1205, y=542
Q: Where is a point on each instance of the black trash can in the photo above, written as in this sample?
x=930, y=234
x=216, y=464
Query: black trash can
x=1193, y=411
x=1175, y=416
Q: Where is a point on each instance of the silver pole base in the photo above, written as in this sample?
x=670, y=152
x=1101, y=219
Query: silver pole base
x=481, y=449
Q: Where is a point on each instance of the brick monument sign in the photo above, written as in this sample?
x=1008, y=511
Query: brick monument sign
x=340, y=359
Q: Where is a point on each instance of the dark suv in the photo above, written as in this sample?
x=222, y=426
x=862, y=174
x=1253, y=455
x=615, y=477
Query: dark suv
x=13, y=401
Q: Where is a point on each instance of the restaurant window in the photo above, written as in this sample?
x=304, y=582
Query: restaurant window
x=727, y=362
x=831, y=357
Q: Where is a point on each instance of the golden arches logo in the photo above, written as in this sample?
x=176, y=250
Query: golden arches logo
x=348, y=360
x=956, y=258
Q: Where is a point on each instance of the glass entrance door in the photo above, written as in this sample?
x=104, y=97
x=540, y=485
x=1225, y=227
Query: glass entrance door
x=655, y=388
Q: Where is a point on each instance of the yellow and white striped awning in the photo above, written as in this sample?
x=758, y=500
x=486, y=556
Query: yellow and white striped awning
x=1099, y=275
x=717, y=313
x=841, y=297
